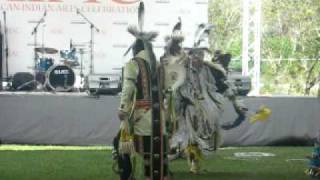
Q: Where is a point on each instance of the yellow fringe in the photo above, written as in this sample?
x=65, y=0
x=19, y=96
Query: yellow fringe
x=126, y=145
x=193, y=150
x=194, y=158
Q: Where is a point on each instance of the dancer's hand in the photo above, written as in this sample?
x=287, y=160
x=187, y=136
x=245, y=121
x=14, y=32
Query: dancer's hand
x=122, y=115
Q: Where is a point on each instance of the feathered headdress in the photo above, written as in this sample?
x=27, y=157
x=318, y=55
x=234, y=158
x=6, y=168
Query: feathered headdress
x=138, y=32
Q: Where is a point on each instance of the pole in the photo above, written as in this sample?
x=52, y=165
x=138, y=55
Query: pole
x=92, y=29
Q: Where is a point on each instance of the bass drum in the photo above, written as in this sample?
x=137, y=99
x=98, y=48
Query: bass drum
x=23, y=81
x=60, y=78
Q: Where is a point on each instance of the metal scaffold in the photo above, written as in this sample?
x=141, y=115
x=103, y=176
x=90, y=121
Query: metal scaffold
x=251, y=42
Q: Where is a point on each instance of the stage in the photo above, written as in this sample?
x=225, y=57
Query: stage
x=79, y=119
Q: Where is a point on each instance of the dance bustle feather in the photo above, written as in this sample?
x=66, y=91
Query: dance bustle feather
x=202, y=33
x=200, y=27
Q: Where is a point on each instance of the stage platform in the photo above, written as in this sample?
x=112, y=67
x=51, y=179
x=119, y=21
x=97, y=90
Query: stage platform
x=78, y=119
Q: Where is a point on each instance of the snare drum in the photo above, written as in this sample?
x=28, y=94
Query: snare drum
x=60, y=78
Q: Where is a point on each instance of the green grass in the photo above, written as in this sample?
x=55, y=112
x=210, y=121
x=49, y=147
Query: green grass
x=94, y=163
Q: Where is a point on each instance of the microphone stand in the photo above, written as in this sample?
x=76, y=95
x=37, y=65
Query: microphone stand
x=35, y=34
x=92, y=28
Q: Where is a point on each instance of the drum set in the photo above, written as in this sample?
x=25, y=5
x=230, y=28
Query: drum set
x=58, y=75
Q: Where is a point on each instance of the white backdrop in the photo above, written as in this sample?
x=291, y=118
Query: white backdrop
x=112, y=17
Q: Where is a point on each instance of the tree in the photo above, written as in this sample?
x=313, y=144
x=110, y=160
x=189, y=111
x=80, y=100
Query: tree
x=290, y=31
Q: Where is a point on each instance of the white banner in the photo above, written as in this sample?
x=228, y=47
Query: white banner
x=62, y=25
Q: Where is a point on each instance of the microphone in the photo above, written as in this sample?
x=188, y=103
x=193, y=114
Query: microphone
x=45, y=13
x=78, y=11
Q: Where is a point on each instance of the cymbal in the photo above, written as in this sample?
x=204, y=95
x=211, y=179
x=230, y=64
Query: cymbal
x=46, y=50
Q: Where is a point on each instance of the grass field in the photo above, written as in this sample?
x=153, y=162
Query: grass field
x=94, y=163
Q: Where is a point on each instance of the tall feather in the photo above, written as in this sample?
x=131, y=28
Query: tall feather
x=178, y=26
x=141, y=16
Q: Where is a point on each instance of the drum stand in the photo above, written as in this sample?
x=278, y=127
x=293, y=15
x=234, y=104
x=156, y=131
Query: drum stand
x=35, y=34
x=92, y=28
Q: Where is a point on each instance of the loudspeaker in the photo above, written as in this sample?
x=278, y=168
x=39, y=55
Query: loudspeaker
x=23, y=81
x=107, y=84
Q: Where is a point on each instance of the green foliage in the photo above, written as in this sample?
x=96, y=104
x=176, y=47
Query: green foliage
x=290, y=30
x=280, y=76
x=277, y=46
